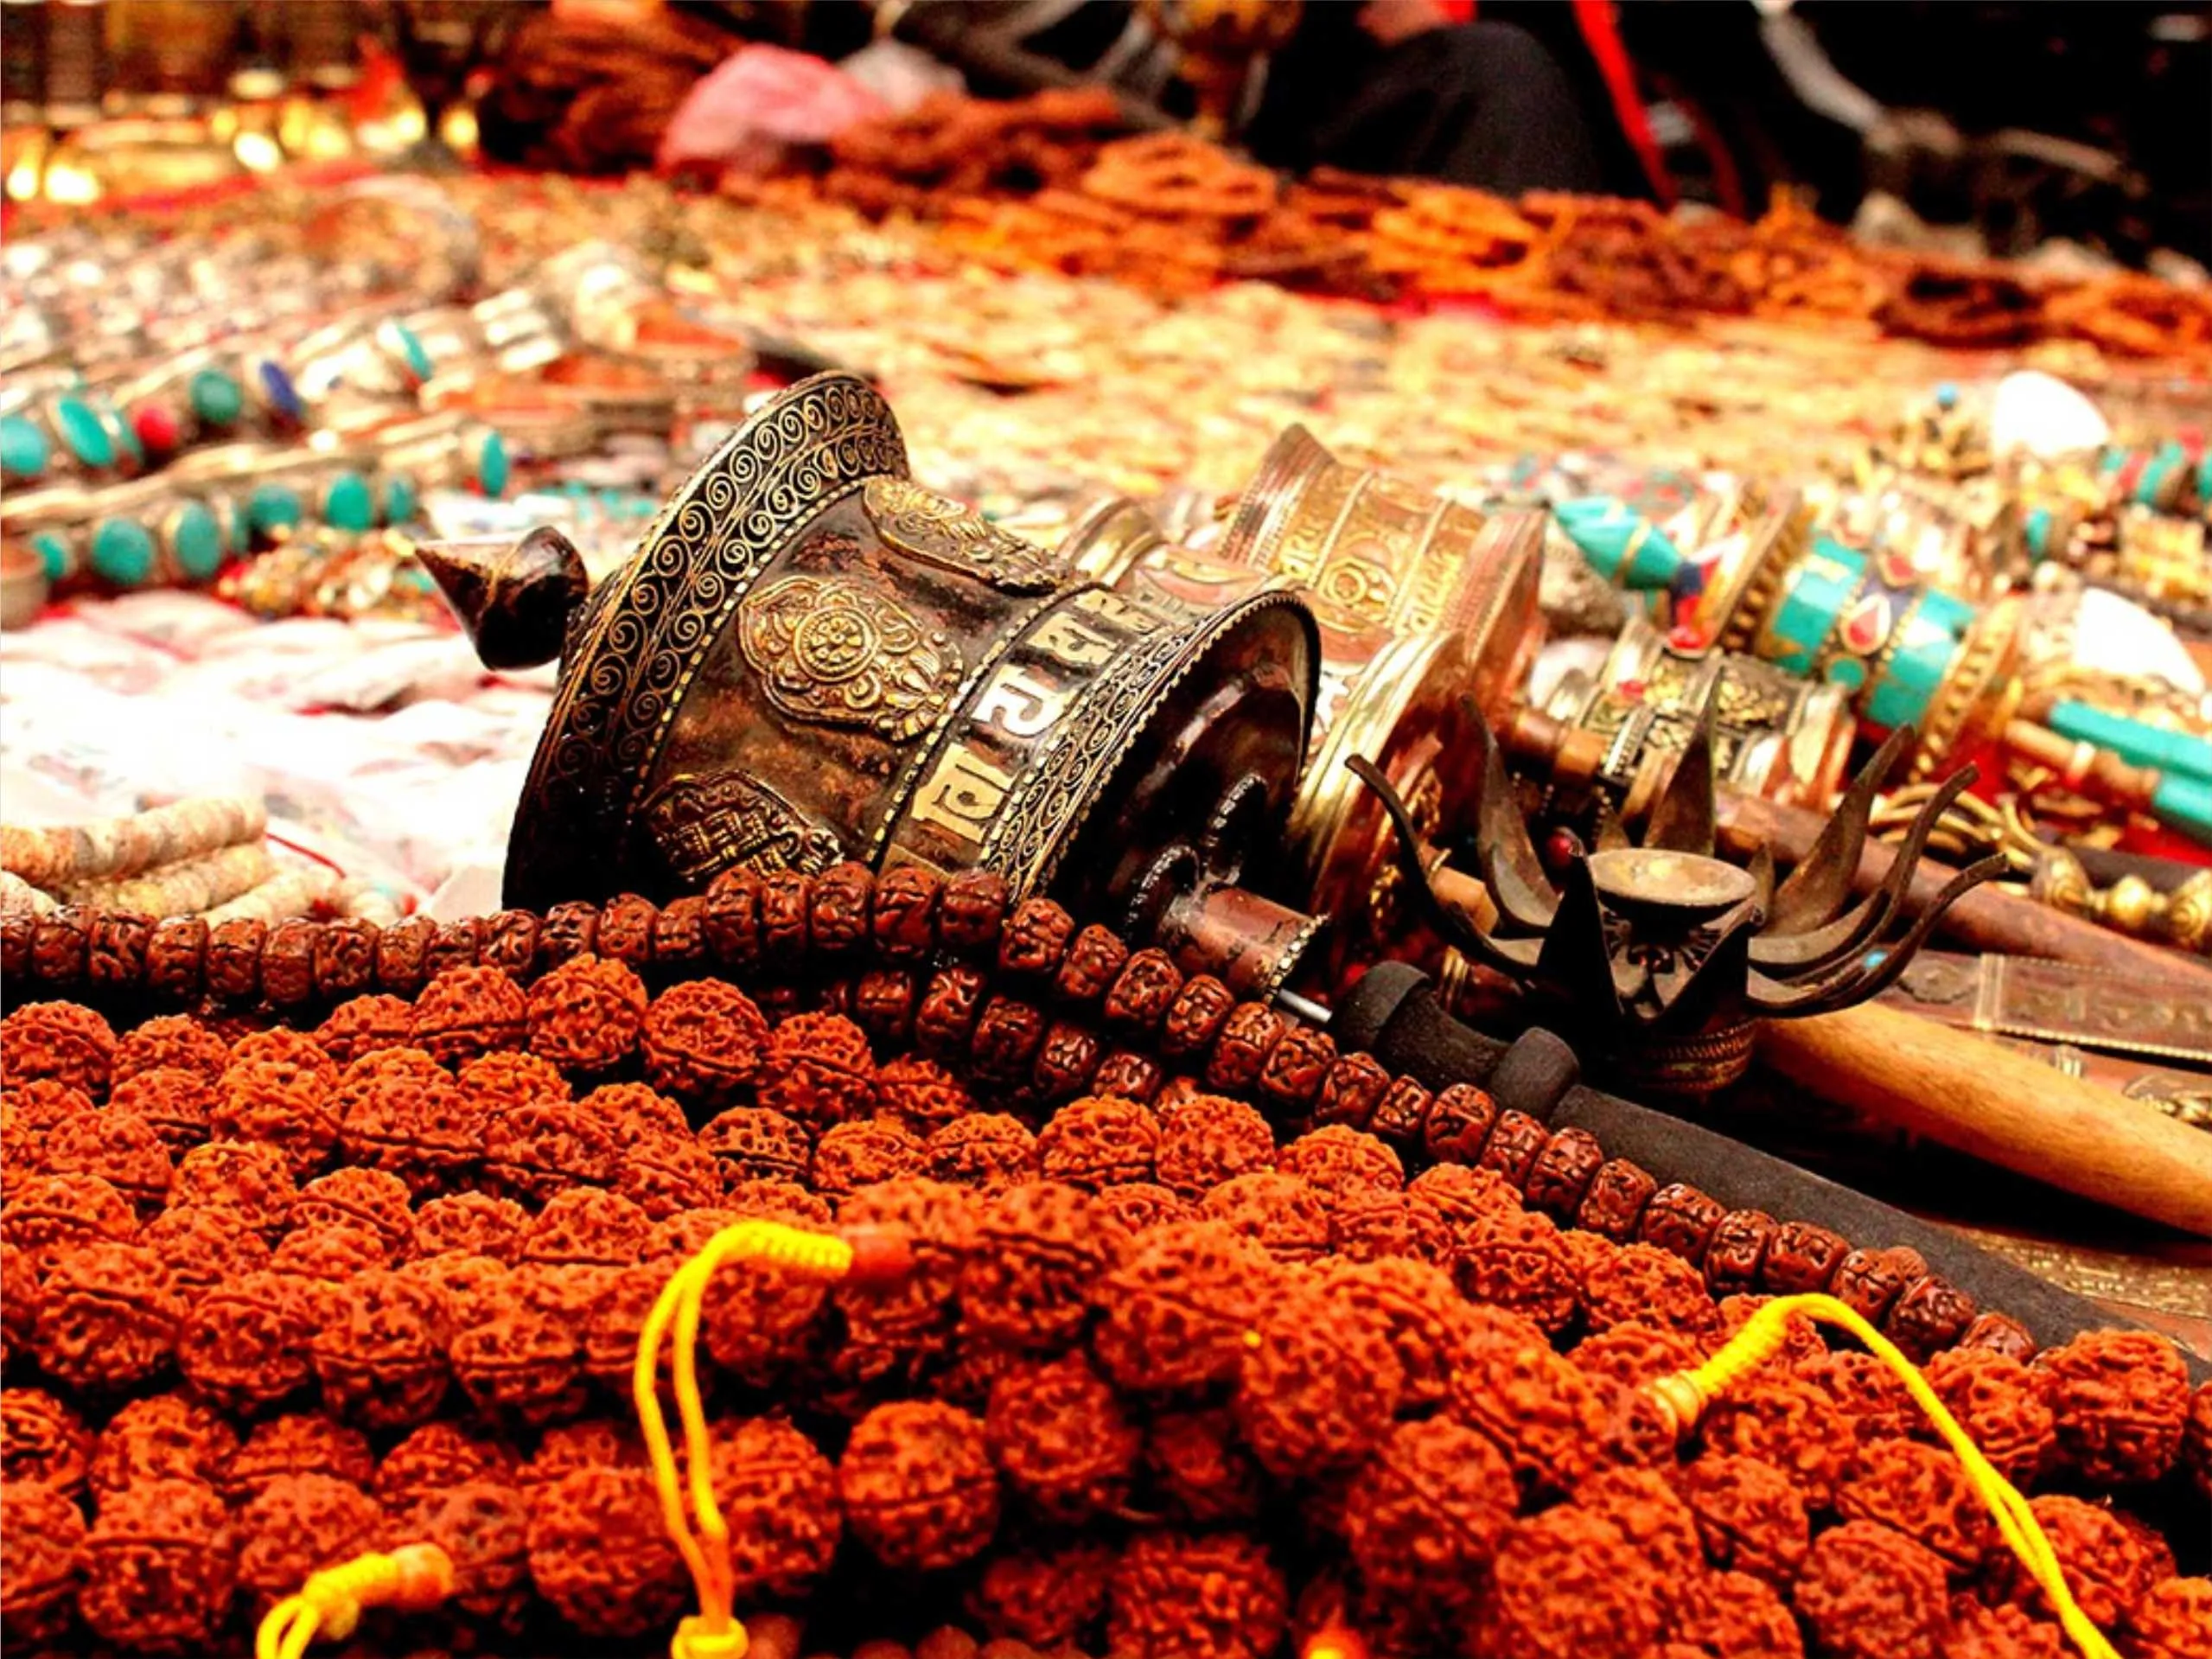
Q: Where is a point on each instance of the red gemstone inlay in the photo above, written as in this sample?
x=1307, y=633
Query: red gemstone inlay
x=1865, y=625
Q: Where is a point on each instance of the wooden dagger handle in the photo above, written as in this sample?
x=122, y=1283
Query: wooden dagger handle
x=1966, y=1092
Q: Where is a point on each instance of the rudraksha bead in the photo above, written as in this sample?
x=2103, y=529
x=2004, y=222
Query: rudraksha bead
x=988, y=1151
x=1681, y=1219
x=625, y=931
x=1047, y=1598
x=587, y=1227
x=1516, y=1142
x=366, y=1025
x=1867, y=1392
x=920, y=1094
x=763, y=1321
x=906, y=1325
x=1928, y=1317
x=1735, y=1614
x=2110, y=1561
x=917, y=1483
x=297, y=1525
x=532, y=1152
x=1459, y=1124
x=1416, y=1308
x=1367, y=1226
x=1788, y=1422
x=1034, y=941
x=586, y=1014
x=246, y=1344
x=2002, y=1404
x=204, y=1247
x=159, y=1565
x=817, y=1068
x=41, y=1551
x=594, y=1443
x=1007, y=1034
x=882, y=1005
x=1616, y=1200
x=786, y=904
x=2121, y=1403
x=234, y=961
x=509, y=943
x=1066, y=1063
x=42, y=1442
x=1297, y=1067
x=2196, y=1439
x=18, y=950
x=1750, y=1517
x=665, y=1173
x=288, y=962
x=330, y=1254
x=600, y=1554
x=1633, y=1352
x=1197, y=1461
x=281, y=1097
x=115, y=958
x=781, y=1495
x=1173, y=1313
x=371, y=1199
x=1213, y=1596
x=402, y=1113
x=1921, y=1492
x=946, y=1013
x=302, y=1443
x=1801, y=1258
x=466, y=1011
x=176, y=959
x=1868, y=1282
x=1139, y=1206
x=437, y=1455
x=467, y=1223
x=855, y=1155
x=1563, y=1172
x=1240, y=1054
x=1196, y=1018
x=2170, y=1619
x=1401, y=1113
x=1318, y=1384
x=1539, y=1409
x=1569, y=1582
x=381, y=1358
x=755, y=1143
x=971, y=908
x=118, y=1145
x=344, y=960
x=1099, y=1141
x=680, y=936
x=403, y=956
x=1206, y=1139
x=506, y=1080
x=1040, y=1248
x=2000, y=1334
x=1640, y=1281
x=47, y=1216
x=521, y=1362
x=1092, y=961
x=1867, y=1592
x=1142, y=994
x=1736, y=1251
x=456, y=944
x=1129, y=1075
x=1516, y=1259
x=60, y=943
x=1059, y=1434
x=482, y=1525
x=171, y=1041
x=19, y=1297
x=61, y=1040
x=568, y=931
x=1338, y=1159
x=730, y=919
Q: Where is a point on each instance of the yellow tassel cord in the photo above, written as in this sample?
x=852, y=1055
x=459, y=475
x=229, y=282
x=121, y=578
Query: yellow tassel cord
x=412, y=1578
x=713, y=1632
x=1686, y=1394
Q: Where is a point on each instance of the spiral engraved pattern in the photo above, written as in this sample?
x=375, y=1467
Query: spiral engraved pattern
x=817, y=442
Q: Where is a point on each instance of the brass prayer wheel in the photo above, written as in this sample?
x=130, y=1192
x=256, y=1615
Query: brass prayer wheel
x=813, y=658
x=1421, y=604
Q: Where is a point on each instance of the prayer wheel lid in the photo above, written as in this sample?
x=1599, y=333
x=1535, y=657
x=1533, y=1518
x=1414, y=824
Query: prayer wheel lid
x=636, y=649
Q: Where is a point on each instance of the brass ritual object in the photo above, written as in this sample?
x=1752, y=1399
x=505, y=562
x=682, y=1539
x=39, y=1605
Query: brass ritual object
x=1422, y=605
x=811, y=659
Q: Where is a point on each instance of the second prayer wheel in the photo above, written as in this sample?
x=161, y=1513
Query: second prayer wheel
x=811, y=659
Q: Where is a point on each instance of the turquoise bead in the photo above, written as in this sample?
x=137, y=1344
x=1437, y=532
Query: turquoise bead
x=82, y=432
x=2034, y=532
x=123, y=552
x=217, y=398
x=1621, y=545
x=401, y=498
x=2184, y=804
x=23, y=449
x=1947, y=611
x=2164, y=751
x=55, y=553
x=196, y=541
x=492, y=465
x=347, y=504
x=1912, y=677
x=412, y=349
x=272, y=508
x=1811, y=603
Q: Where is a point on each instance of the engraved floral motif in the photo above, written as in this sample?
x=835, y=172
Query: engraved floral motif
x=843, y=653
x=937, y=530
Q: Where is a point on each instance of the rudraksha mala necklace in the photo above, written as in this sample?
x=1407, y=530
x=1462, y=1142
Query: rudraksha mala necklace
x=1141, y=1320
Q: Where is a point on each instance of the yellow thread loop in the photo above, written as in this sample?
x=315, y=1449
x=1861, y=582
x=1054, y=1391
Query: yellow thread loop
x=713, y=1632
x=1684, y=1396
x=414, y=1576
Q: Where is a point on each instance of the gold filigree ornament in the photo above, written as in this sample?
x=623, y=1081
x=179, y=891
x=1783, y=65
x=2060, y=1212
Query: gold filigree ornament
x=841, y=653
x=934, y=529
